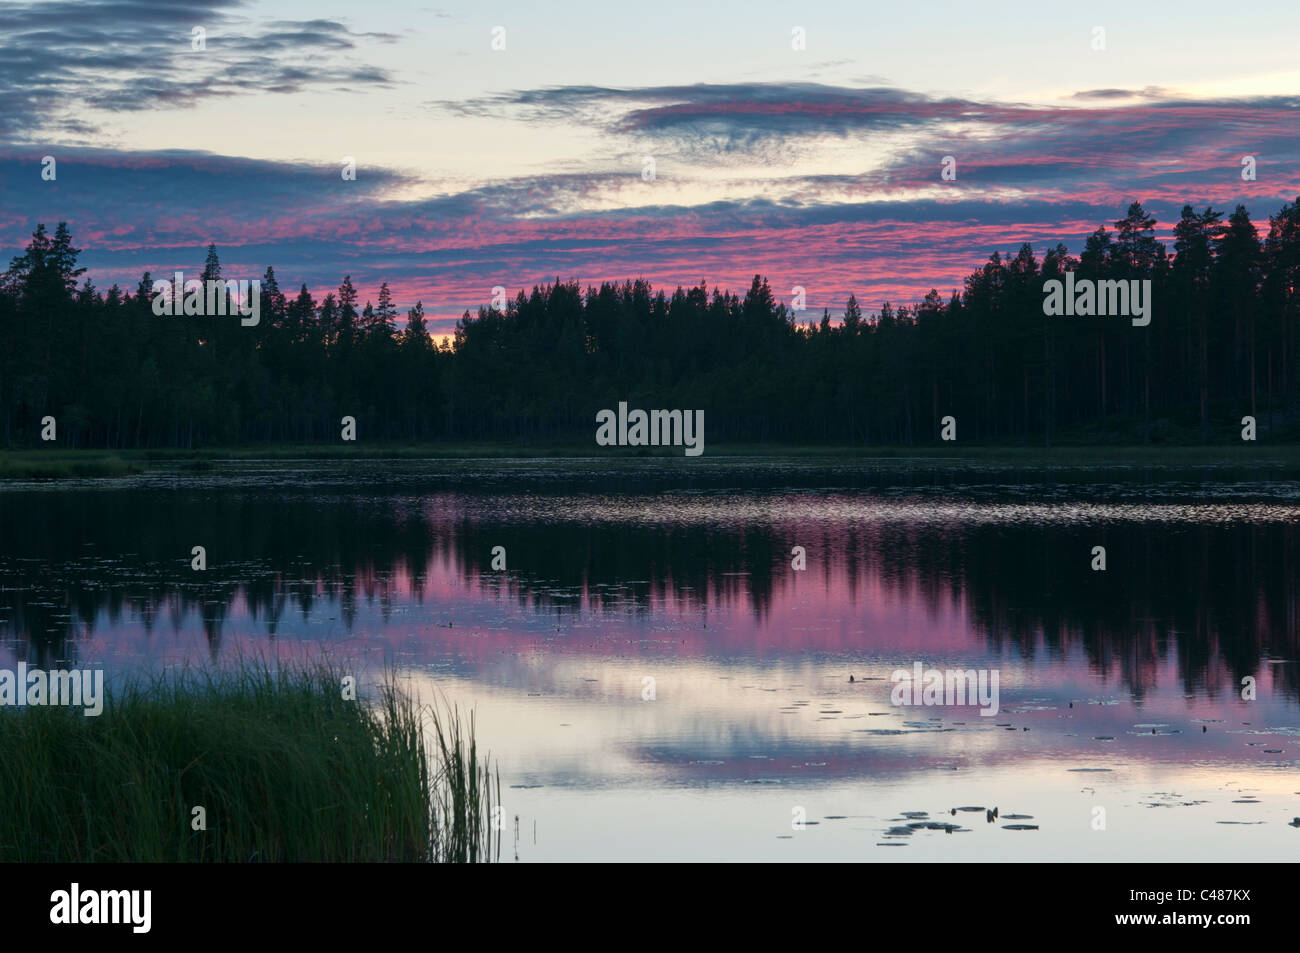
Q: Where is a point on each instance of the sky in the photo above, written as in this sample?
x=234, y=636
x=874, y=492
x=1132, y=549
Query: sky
x=509, y=144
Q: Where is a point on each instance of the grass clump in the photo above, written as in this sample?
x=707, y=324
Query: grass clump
x=62, y=464
x=285, y=768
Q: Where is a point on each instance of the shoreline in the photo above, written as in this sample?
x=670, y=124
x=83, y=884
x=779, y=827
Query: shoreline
x=56, y=464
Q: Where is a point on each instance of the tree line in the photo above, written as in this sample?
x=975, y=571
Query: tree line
x=1221, y=345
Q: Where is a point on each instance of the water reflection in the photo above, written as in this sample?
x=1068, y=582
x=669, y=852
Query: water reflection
x=1216, y=595
x=1123, y=685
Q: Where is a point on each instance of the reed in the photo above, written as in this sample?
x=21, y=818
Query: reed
x=284, y=767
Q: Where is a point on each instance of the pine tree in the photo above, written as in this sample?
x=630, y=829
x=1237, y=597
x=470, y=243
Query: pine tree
x=852, y=315
x=211, y=266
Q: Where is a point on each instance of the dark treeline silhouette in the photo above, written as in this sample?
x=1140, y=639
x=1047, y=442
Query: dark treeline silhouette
x=1221, y=344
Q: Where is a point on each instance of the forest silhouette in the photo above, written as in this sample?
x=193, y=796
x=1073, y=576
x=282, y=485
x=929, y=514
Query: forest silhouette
x=1221, y=345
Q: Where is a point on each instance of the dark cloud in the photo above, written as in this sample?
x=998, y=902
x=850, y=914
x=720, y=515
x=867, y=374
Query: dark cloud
x=1148, y=92
x=755, y=107
x=59, y=58
x=768, y=120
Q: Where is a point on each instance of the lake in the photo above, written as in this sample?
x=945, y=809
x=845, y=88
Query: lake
x=656, y=681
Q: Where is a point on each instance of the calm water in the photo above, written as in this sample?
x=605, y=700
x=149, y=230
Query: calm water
x=1120, y=690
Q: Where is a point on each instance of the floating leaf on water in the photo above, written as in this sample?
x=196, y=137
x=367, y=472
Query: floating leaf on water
x=935, y=826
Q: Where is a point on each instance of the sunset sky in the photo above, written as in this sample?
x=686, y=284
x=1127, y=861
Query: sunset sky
x=477, y=167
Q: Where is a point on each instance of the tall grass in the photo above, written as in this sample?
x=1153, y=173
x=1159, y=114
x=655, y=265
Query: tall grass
x=285, y=768
x=62, y=464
